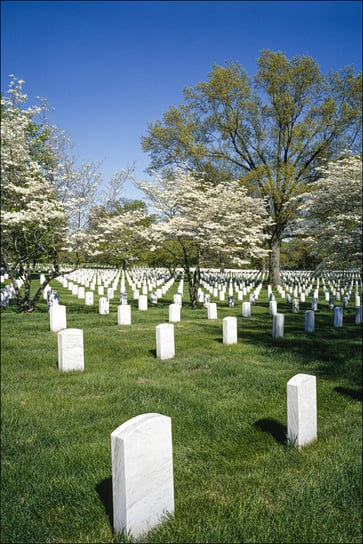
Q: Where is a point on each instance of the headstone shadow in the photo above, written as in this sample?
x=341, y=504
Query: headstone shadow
x=274, y=428
x=353, y=393
x=104, y=491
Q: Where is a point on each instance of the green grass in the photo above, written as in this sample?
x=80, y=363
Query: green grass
x=236, y=479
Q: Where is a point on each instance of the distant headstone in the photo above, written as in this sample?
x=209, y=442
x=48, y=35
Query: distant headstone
x=246, y=309
x=174, y=313
x=212, y=310
x=278, y=325
x=70, y=350
x=57, y=318
x=230, y=330
x=206, y=300
x=309, y=321
x=142, y=474
x=273, y=307
x=338, y=316
x=165, y=347
x=103, y=306
x=142, y=302
x=123, y=297
x=81, y=292
x=301, y=410
x=88, y=298
x=124, y=314
x=178, y=299
x=359, y=315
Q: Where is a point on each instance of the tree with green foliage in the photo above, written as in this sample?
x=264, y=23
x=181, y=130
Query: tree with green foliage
x=271, y=131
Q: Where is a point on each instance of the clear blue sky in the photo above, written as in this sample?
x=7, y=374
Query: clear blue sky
x=111, y=67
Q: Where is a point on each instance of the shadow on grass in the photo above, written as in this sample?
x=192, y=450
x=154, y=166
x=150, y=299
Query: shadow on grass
x=353, y=393
x=274, y=428
x=104, y=491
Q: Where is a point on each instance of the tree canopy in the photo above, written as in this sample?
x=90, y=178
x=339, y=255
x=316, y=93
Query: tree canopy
x=197, y=218
x=330, y=215
x=272, y=131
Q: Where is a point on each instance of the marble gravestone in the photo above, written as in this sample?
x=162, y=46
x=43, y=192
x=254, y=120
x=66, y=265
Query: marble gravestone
x=165, y=346
x=278, y=325
x=301, y=410
x=142, y=473
x=230, y=330
x=124, y=314
x=212, y=310
x=174, y=313
x=103, y=306
x=57, y=318
x=70, y=350
x=309, y=321
x=338, y=316
x=246, y=309
x=142, y=303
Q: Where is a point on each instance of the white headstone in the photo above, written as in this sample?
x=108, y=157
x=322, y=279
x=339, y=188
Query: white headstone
x=142, y=302
x=246, y=309
x=278, y=325
x=174, y=313
x=88, y=298
x=230, y=330
x=359, y=315
x=124, y=314
x=338, y=316
x=309, y=321
x=212, y=310
x=81, y=293
x=273, y=307
x=101, y=290
x=70, y=350
x=301, y=410
x=57, y=318
x=165, y=347
x=103, y=306
x=142, y=473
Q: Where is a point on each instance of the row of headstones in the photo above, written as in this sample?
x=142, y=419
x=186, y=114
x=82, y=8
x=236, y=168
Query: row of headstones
x=142, y=459
x=88, y=296
x=7, y=293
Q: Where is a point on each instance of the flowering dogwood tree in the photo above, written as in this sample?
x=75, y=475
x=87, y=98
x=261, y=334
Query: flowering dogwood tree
x=197, y=217
x=45, y=199
x=331, y=215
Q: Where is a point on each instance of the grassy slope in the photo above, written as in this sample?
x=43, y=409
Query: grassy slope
x=235, y=478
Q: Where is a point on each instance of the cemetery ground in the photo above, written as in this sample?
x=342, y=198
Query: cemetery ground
x=236, y=479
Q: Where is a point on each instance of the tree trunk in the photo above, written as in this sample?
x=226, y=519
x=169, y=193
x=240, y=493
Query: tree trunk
x=274, y=265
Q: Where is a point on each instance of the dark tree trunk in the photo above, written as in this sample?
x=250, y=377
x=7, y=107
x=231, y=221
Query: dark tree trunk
x=274, y=264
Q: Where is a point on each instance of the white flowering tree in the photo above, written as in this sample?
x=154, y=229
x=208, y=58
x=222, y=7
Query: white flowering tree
x=197, y=217
x=331, y=215
x=116, y=235
x=45, y=199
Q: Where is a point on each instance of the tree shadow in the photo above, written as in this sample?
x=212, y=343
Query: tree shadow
x=274, y=428
x=104, y=491
x=353, y=393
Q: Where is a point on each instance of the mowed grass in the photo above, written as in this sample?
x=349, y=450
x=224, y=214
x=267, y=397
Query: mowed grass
x=235, y=478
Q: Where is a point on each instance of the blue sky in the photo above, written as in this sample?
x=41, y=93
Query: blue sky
x=109, y=68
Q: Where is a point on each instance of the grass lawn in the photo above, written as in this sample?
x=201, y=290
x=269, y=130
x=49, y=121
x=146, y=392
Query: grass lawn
x=236, y=479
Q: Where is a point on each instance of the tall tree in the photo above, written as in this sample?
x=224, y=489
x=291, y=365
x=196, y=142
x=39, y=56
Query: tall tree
x=271, y=131
x=197, y=217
